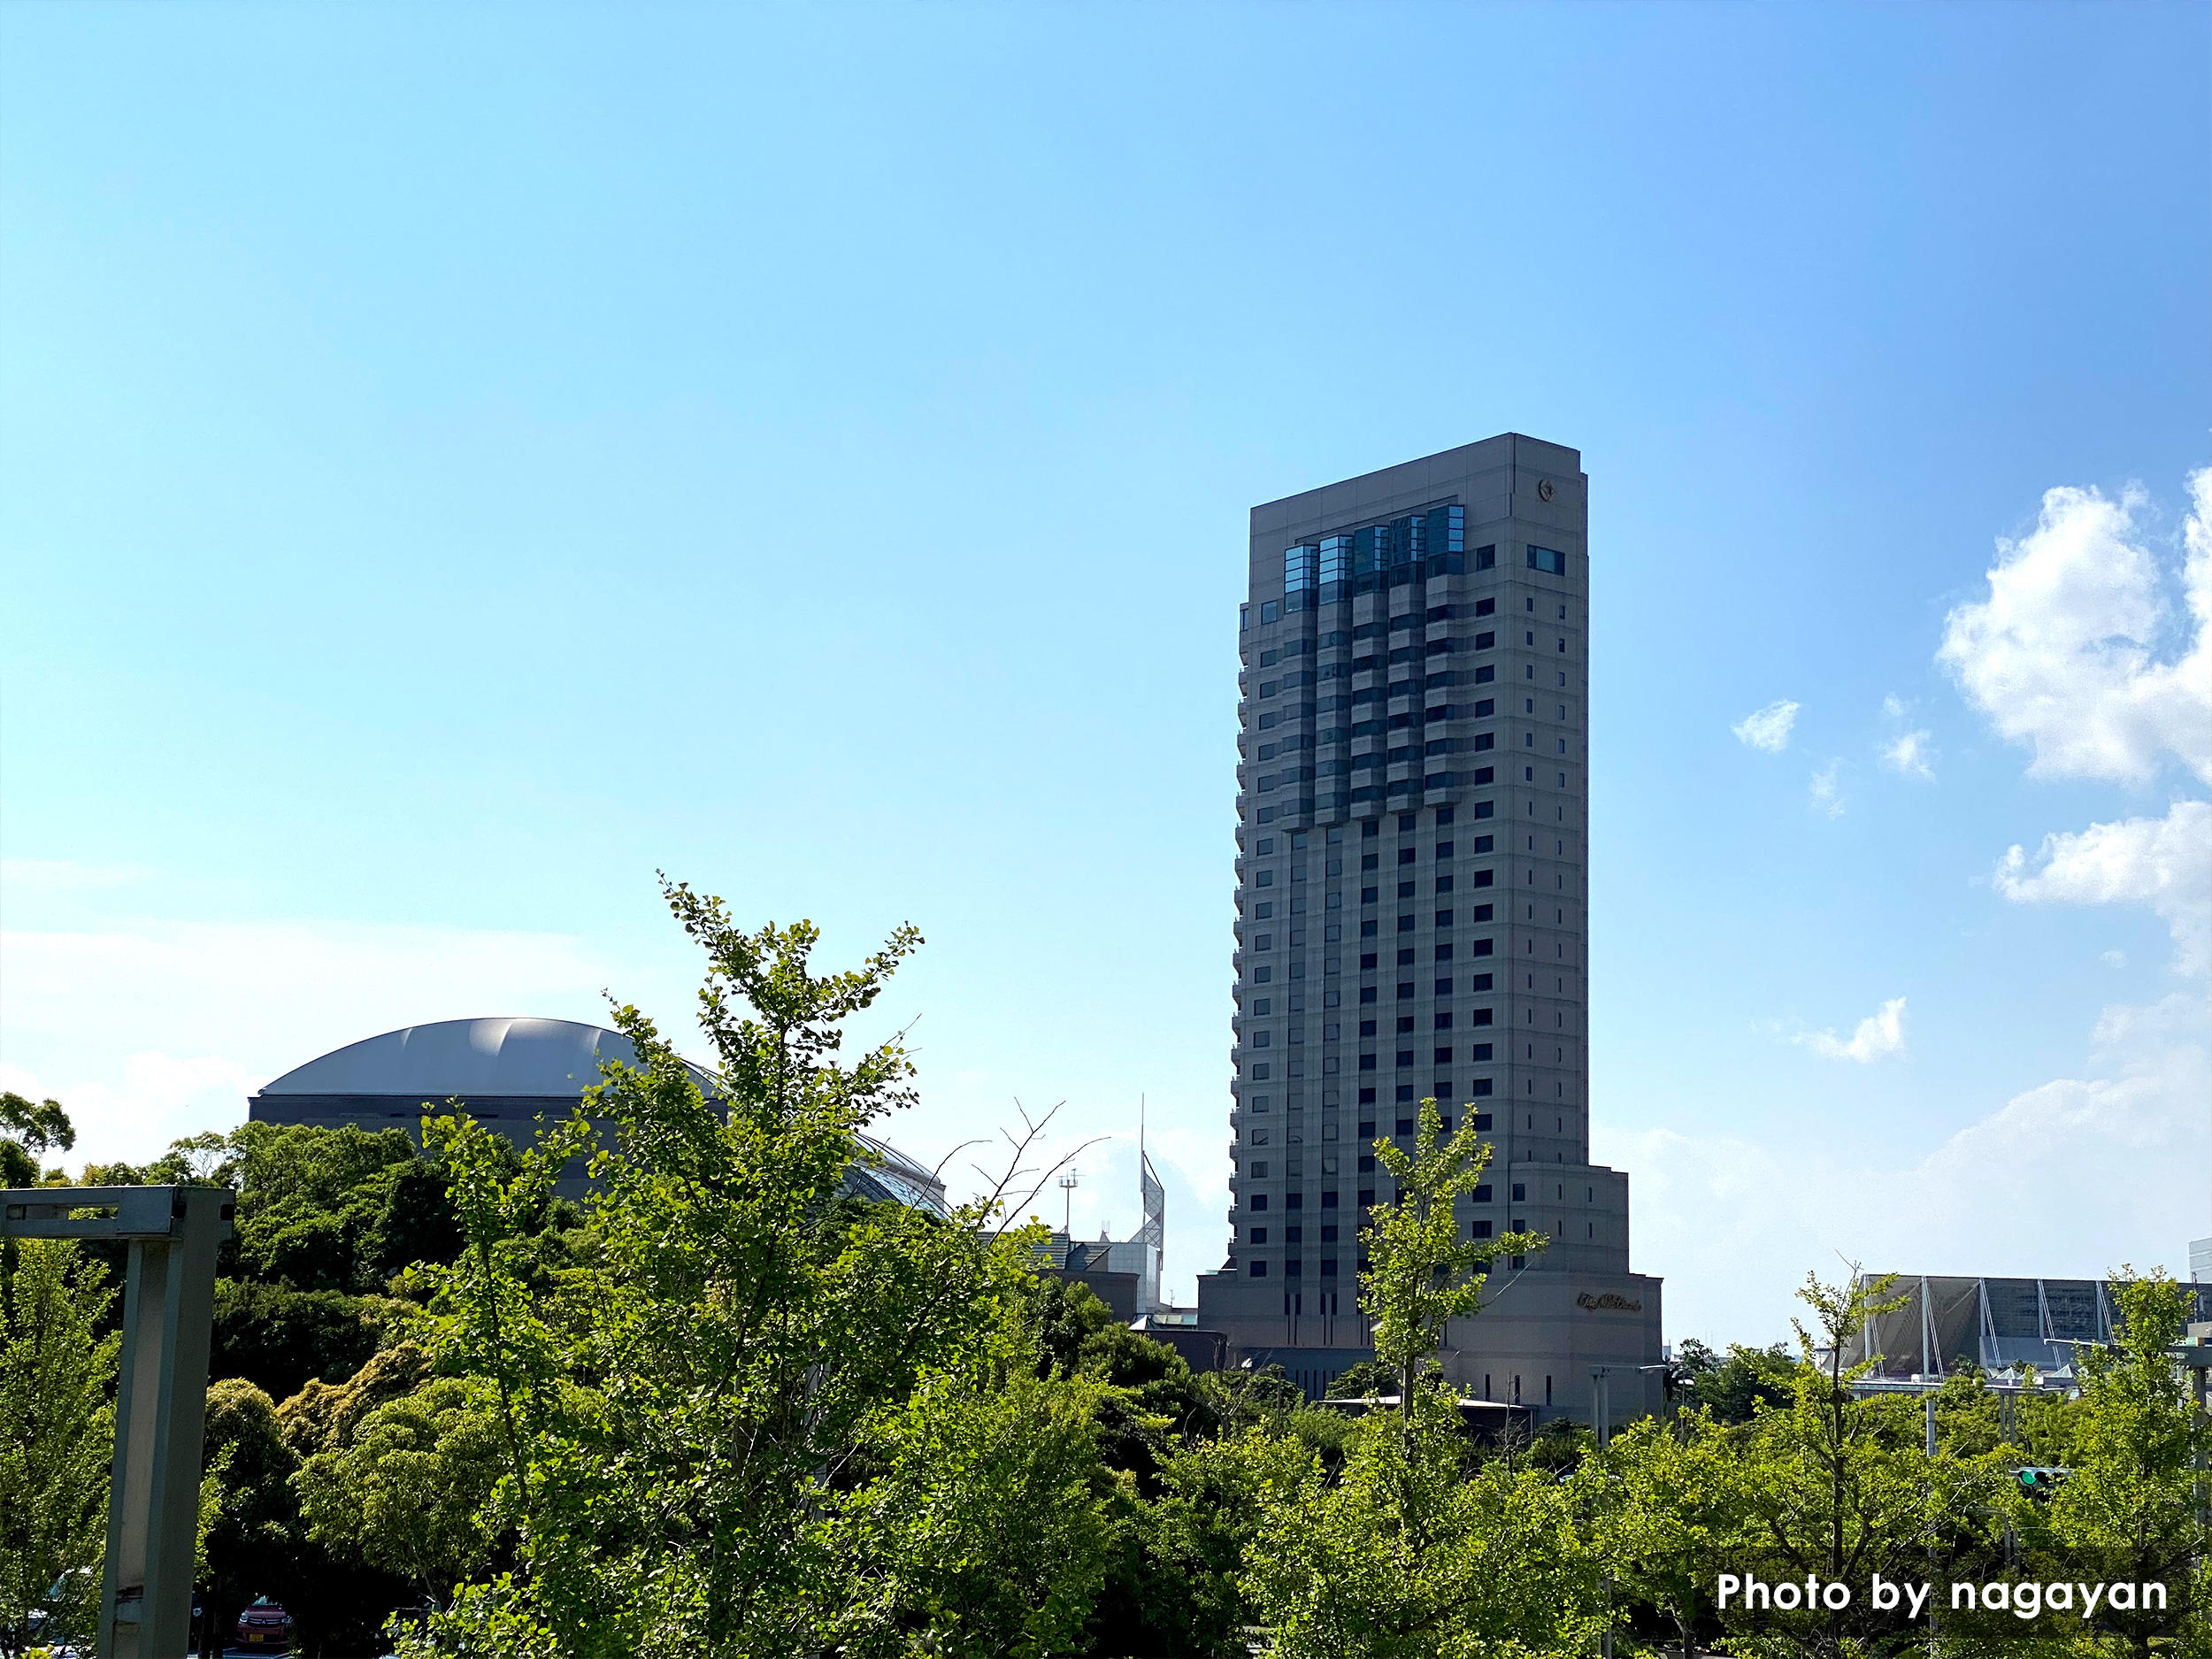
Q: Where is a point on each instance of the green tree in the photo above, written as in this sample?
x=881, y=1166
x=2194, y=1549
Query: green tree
x=1410, y=1555
x=987, y=1530
x=1421, y=1272
x=28, y=1130
x=684, y=1420
x=1839, y=1487
x=57, y=1436
x=407, y=1490
x=2127, y=1508
x=252, y=1540
x=280, y=1340
x=1669, y=1512
x=1404, y=1553
x=1734, y=1386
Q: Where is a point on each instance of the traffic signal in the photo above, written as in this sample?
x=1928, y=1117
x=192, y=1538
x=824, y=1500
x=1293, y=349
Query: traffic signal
x=2041, y=1483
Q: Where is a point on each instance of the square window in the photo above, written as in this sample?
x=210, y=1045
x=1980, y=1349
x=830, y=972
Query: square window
x=1328, y=1202
x=1367, y=1128
x=1367, y=965
x=1367, y=896
x=1482, y=1123
x=1328, y=1267
x=1368, y=929
x=1520, y=1192
x=1405, y=989
x=1367, y=1028
x=1405, y=1056
x=1367, y=992
x=1259, y=1270
x=1405, y=958
x=1443, y=850
x=1444, y=1020
x=1480, y=982
x=1405, y=1125
x=1405, y=891
x=1369, y=830
x=1367, y=1201
x=1443, y=953
x=1294, y=1235
x=1482, y=843
x=1482, y=1051
x=1443, y=1057
x=1367, y=1063
x=1368, y=861
x=1405, y=855
x=1443, y=918
x=1482, y=1194
x=1482, y=1083
x=1294, y=1201
x=1328, y=1234
x=1482, y=1228
x=1258, y=1235
x=1443, y=988
x=1405, y=1022
x=1405, y=1093
x=1406, y=821
x=1485, y=607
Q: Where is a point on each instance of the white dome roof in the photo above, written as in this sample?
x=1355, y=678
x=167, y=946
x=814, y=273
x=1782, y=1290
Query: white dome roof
x=470, y=1059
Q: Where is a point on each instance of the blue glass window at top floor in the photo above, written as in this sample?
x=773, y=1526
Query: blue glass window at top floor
x=1336, y=559
x=1300, y=567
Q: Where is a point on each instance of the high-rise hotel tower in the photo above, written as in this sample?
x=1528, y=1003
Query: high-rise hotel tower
x=1413, y=916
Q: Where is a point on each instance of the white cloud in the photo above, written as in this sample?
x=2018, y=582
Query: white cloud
x=1827, y=793
x=1768, y=728
x=1879, y=1035
x=2163, y=861
x=1911, y=755
x=2063, y=654
x=2113, y=958
x=2120, y=1152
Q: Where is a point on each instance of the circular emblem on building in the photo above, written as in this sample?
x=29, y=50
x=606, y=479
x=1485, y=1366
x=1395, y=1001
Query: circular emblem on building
x=1543, y=489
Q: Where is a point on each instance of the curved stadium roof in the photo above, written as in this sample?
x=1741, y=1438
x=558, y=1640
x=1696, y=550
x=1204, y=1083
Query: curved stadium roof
x=537, y=1059
x=468, y=1058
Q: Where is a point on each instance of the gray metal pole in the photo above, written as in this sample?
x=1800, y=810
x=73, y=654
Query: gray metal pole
x=1931, y=1443
x=161, y=1393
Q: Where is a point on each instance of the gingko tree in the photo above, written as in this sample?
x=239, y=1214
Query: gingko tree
x=684, y=1424
x=1421, y=1272
x=1838, y=1488
x=57, y=1439
x=1419, y=1547
x=1669, y=1512
x=2127, y=1511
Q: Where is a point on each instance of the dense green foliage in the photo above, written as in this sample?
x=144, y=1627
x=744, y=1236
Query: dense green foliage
x=728, y=1408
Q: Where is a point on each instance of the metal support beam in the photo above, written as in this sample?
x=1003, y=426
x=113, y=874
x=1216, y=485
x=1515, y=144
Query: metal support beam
x=161, y=1391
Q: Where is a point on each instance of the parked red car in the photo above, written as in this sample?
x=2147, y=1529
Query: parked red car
x=265, y=1627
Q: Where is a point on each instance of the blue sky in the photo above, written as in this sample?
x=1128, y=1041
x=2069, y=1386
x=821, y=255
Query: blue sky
x=457, y=461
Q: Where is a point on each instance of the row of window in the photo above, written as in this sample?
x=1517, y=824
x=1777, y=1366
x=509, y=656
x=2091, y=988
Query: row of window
x=1336, y=639
x=1329, y=1032
x=1479, y=710
x=1431, y=681
x=1299, y=741
x=1265, y=1005
x=1409, y=548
